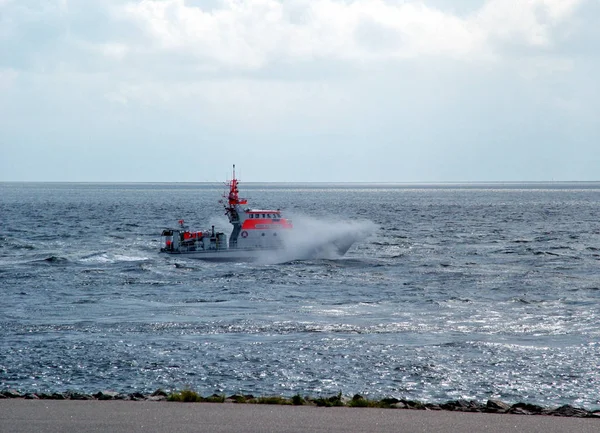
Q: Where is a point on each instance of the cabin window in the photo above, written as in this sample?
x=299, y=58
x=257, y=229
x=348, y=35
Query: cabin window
x=263, y=215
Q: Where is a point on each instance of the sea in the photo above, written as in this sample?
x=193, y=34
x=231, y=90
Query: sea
x=451, y=291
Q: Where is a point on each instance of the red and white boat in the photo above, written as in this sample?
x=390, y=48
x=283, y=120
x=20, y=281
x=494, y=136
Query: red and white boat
x=257, y=235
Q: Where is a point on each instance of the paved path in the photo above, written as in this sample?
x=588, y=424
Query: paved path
x=17, y=415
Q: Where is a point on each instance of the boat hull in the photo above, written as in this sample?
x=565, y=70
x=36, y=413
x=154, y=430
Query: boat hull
x=266, y=255
x=227, y=255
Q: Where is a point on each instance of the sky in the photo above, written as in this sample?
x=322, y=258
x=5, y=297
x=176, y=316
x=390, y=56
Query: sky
x=299, y=90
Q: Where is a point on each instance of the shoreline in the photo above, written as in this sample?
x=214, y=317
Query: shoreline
x=492, y=406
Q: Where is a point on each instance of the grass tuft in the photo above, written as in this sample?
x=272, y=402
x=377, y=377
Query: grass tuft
x=215, y=398
x=186, y=396
x=359, y=401
x=273, y=400
x=238, y=399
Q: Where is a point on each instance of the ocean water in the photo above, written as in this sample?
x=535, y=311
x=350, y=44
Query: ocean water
x=469, y=291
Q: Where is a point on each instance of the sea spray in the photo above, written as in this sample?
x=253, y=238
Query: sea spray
x=322, y=238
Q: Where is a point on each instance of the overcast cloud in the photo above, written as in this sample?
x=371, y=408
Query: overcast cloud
x=299, y=90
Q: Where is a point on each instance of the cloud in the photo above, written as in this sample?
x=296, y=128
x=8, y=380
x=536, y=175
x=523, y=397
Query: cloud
x=524, y=22
x=427, y=89
x=251, y=35
x=185, y=39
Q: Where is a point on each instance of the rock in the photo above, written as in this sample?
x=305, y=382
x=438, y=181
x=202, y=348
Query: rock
x=74, y=395
x=157, y=398
x=568, y=410
x=496, y=406
x=106, y=395
x=137, y=396
x=518, y=411
x=462, y=406
x=399, y=405
x=411, y=404
x=526, y=409
x=390, y=401
x=31, y=396
x=431, y=406
x=2, y=395
x=57, y=396
x=11, y=393
x=159, y=392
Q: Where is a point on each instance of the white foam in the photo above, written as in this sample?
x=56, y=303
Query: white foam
x=111, y=258
x=319, y=238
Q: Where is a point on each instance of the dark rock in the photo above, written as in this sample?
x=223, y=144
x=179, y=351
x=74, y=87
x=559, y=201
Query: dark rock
x=159, y=392
x=519, y=411
x=568, y=410
x=57, y=396
x=137, y=396
x=74, y=395
x=399, y=405
x=462, y=406
x=11, y=393
x=390, y=401
x=2, y=395
x=431, y=406
x=496, y=406
x=411, y=404
x=31, y=396
x=106, y=395
x=526, y=409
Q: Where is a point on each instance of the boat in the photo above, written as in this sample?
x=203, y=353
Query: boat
x=257, y=235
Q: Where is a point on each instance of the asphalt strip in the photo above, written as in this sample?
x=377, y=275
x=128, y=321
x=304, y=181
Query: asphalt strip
x=20, y=415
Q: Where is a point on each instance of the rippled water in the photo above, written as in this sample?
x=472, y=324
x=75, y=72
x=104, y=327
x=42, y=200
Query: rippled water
x=462, y=291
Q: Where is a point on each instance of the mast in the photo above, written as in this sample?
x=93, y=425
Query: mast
x=232, y=211
x=233, y=197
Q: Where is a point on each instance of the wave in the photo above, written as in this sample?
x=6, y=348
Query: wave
x=54, y=260
x=105, y=257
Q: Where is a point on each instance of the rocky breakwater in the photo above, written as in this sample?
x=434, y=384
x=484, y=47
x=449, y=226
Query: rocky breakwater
x=158, y=395
x=491, y=406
